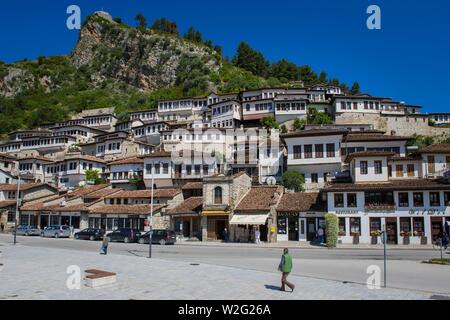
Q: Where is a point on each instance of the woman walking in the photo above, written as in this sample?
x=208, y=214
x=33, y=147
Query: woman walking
x=286, y=267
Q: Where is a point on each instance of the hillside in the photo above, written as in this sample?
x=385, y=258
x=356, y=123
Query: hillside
x=129, y=68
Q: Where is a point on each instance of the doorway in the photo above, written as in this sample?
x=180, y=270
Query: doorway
x=311, y=229
x=391, y=231
x=220, y=227
x=292, y=228
x=302, y=230
x=436, y=228
x=43, y=221
x=263, y=232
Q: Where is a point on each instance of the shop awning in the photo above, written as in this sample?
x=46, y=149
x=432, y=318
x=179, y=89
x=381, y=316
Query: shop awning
x=251, y=219
x=215, y=213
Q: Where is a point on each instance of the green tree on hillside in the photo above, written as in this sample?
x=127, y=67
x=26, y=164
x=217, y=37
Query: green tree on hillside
x=251, y=60
x=355, y=88
x=92, y=175
x=299, y=124
x=165, y=25
x=316, y=117
x=269, y=123
x=141, y=21
x=193, y=35
x=293, y=180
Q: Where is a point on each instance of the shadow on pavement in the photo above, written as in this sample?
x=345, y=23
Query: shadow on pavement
x=271, y=287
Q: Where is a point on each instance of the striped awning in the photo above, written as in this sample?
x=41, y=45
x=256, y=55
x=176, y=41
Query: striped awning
x=249, y=219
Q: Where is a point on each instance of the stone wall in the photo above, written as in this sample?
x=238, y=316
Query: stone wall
x=399, y=125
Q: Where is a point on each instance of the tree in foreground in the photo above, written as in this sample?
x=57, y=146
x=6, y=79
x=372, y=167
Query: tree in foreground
x=141, y=21
x=269, y=123
x=332, y=226
x=92, y=175
x=293, y=180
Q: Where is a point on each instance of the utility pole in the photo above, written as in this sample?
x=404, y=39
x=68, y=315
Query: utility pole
x=384, y=249
x=151, y=214
x=17, y=208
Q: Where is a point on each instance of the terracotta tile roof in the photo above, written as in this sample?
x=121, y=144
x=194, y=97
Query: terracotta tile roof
x=191, y=205
x=84, y=157
x=23, y=186
x=36, y=158
x=437, y=148
x=192, y=186
x=157, y=154
x=314, y=132
x=258, y=199
x=364, y=154
x=126, y=209
x=101, y=193
x=85, y=190
x=72, y=208
x=131, y=160
x=392, y=185
x=157, y=193
x=7, y=203
x=300, y=202
x=36, y=205
x=352, y=137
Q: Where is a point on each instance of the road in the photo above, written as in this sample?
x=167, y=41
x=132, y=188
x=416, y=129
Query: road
x=405, y=269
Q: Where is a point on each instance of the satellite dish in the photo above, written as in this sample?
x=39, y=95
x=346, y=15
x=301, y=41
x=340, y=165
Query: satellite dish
x=271, y=181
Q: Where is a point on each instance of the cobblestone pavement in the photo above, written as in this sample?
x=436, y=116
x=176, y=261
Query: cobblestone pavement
x=40, y=273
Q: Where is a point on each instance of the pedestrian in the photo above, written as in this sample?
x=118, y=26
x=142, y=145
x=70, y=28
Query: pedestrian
x=320, y=234
x=2, y=227
x=104, y=248
x=225, y=235
x=286, y=267
x=257, y=236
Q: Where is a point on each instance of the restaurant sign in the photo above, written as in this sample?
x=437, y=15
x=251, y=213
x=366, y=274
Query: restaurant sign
x=429, y=212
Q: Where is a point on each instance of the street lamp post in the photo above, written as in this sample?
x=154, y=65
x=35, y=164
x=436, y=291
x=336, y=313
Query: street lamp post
x=151, y=215
x=17, y=208
x=383, y=232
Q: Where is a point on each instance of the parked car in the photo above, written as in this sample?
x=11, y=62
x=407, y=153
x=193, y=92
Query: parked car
x=90, y=234
x=56, y=232
x=124, y=235
x=162, y=237
x=28, y=231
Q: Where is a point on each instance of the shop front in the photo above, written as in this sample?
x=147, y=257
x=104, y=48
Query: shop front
x=244, y=227
x=188, y=226
x=111, y=222
x=214, y=223
x=299, y=226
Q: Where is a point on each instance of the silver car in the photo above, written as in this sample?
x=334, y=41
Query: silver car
x=56, y=232
x=28, y=231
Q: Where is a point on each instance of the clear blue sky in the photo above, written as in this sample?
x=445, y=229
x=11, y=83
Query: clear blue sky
x=408, y=60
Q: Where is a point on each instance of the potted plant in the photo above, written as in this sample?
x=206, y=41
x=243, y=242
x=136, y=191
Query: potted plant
x=355, y=237
x=375, y=234
x=341, y=233
x=405, y=235
x=423, y=238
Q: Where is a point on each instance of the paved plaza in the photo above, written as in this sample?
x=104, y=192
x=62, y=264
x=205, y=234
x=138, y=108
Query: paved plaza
x=40, y=273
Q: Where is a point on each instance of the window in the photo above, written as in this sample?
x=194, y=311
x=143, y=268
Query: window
x=352, y=200
x=405, y=225
x=338, y=200
x=148, y=168
x=410, y=168
x=355, y=226
x=157, y=168
x=342, y=230
x=418, y=226
x=435, y=200
x=297, y=152
x=431, y=167
x=308, y=151
x=379, y=198
x=188, y=169
x=330, y=150
x=314, y=178
x=375, y=224
x=281, y=224
x=418, y=199
x=399, y=170
x=319, y=150
x=447, y=198
x=197, y=169
x=403, y=199
x=363, y=167
x=217, y=195
x=165, y=168
x=378, y=167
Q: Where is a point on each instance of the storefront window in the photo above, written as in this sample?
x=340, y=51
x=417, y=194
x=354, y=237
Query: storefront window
x=338, y=200
x=418, y=228
x=375, y=226
x=435, y=200
x=405, y=226
x=418, y=199
x=447, y=198
x=355, y=226
x=403, y=199
x=379, y=198
x=351, y=200
x=282, y=225
x=342, y=231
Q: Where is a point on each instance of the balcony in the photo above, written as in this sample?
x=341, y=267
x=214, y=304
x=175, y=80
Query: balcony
x=378, y=207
